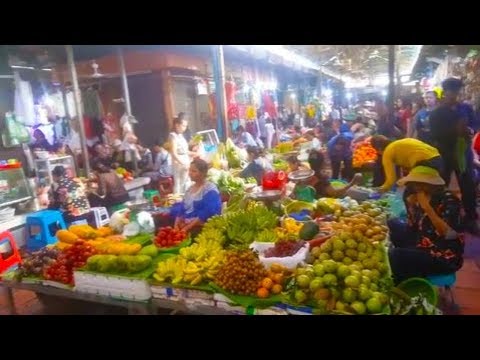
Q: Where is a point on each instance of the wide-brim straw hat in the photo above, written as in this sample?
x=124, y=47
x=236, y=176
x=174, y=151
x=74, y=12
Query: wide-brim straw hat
x=422, y=174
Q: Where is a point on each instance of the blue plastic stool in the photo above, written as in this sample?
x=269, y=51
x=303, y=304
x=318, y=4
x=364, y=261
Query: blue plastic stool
x=41, y=228
x=445, y=282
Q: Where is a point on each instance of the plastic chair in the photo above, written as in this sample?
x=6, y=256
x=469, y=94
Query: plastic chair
x=48, y=222
x=445, y=282
x=9, y=254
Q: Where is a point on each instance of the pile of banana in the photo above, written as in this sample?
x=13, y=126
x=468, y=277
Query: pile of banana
x=289, y=231
x=194, y=265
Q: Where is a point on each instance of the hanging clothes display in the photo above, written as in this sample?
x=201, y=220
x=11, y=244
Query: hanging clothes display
x=93, y=115
x=16, y=132
x=232, y=108
x=112, y=128
x=91, y=103
x=54, y=104
x=71, y=108
x=269, y=104
x=24, y=103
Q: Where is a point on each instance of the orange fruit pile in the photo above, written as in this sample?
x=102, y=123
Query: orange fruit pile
x=273, y=282
x=363, y=153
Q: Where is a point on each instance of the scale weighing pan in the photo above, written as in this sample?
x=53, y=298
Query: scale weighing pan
x=301, y=175
x=269, y=195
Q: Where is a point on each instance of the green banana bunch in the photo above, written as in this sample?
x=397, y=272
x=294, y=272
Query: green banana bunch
x=216, y=222
x=267, y=236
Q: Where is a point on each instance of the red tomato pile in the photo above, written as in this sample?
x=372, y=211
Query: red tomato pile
x=169, y=237
x=70, y=259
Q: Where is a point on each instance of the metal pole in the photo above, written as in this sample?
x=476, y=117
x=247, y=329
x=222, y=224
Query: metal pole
x=126, y=94
x=126, y=97
x=219, y=76
x=391, y=79
x=78, y=105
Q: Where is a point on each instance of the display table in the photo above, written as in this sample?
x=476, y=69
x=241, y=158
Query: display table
x=135, y=187
x=133, y=307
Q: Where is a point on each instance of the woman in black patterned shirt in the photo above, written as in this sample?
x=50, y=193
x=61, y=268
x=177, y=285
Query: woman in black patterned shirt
x=431, y=241
x=68, y=195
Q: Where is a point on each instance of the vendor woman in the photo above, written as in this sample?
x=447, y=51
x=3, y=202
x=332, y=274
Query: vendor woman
x=258, y=165
x=111, y=189
x=320, y=181
x=68, y=196
x=430, y=242
x=41, y=142
x=200, y=202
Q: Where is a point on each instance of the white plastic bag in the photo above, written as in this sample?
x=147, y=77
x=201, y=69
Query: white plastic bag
x=118, y=220
x=289, y=262
x=132, y=229
x=145, y=220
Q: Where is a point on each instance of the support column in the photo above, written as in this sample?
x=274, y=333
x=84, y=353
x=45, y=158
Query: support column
x=79, y=107
x=221, y=102
x=391, y=79
x=126, y=94
x=126, y=97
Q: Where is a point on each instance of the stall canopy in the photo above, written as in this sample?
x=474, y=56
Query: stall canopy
x=360, y=65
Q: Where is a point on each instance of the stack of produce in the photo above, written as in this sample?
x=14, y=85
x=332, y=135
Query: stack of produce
x=101, y=239
x=118, y=264
x=274, y=282
x=280, y=165
x=240, y=228
x=34, y=263
x=193, y=265
x=284, y=147
x=241, y=273
x=368, y=219
x=363, y=153
x=290, y=230
x=349, y=274
x=75, y=257
x=168, y=237
x=284, y=248
x=228, y=184
x=232, y=154
x=124, y=174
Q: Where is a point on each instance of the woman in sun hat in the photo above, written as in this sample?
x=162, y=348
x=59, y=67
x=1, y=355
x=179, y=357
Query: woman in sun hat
x=430, y=242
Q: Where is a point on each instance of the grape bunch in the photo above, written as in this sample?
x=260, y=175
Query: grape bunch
x=34, y=263
x=284, y=248
x=241, y=273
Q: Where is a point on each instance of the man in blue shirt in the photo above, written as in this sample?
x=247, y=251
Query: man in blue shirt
x=339, y=150
x=422, y=118
x=451, y=128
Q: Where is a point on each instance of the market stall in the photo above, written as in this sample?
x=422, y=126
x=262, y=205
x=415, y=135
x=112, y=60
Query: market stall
x=323, y=257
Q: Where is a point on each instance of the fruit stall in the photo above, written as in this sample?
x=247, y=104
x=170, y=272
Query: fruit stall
x=327, y=257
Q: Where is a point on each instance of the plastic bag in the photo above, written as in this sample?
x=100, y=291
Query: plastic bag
x=132, y=229
x=289, y=262
x=119, y=219
x=397, y=206
x=145, y=220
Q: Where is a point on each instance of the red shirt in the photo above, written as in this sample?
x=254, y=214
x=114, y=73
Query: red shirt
x=476, y=143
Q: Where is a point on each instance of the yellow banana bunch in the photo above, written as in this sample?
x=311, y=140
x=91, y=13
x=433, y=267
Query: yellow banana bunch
x=171, y=270
x=211, y=235
x=195, y=264
x=292, y=226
